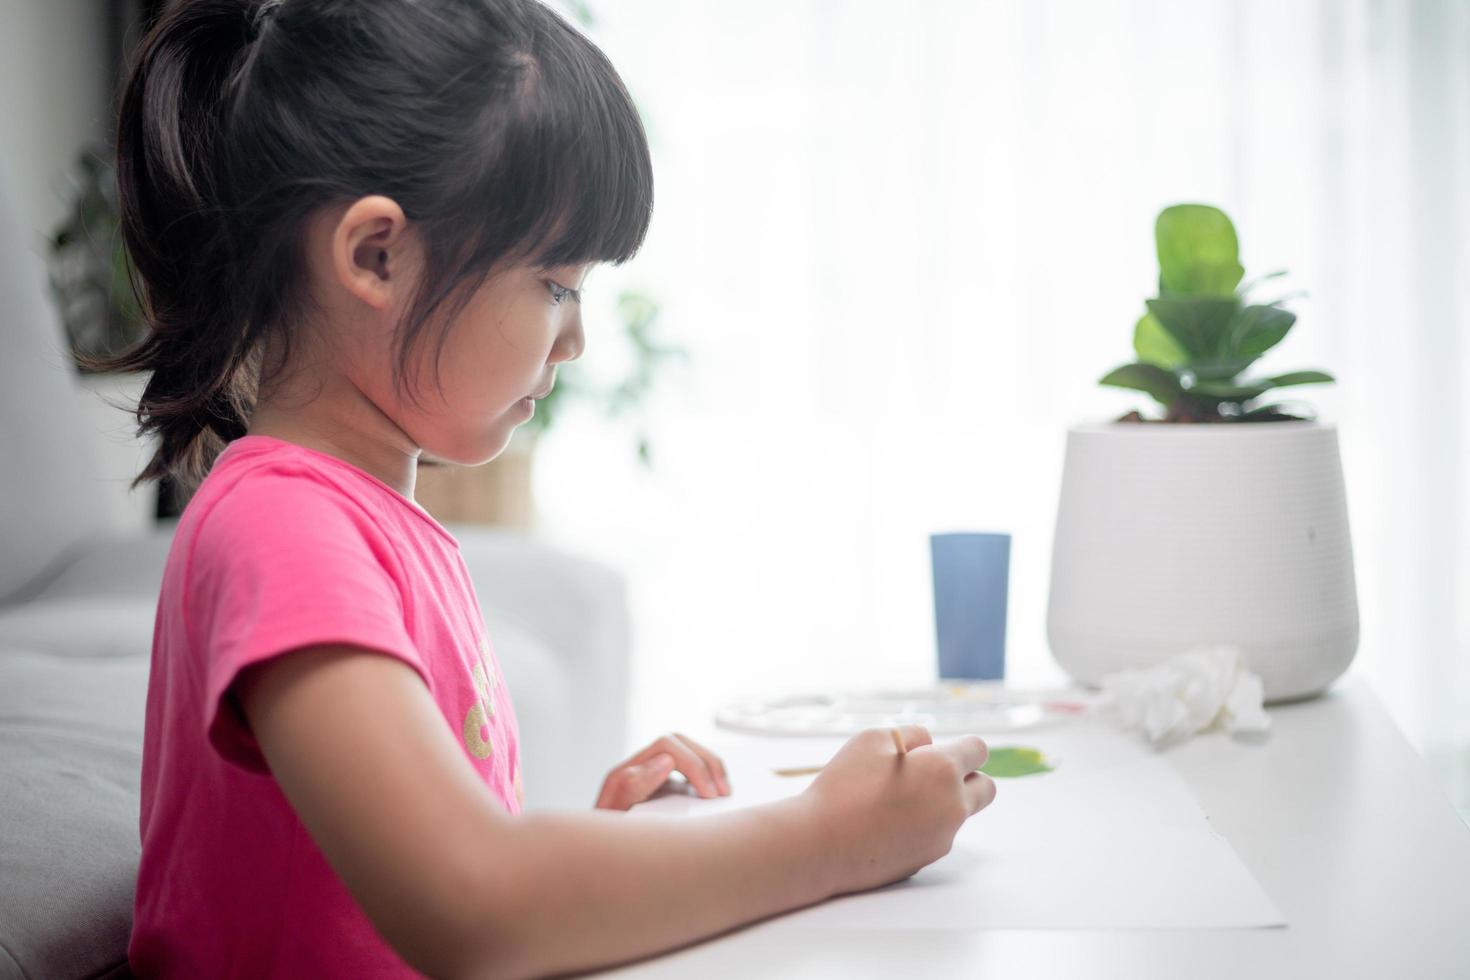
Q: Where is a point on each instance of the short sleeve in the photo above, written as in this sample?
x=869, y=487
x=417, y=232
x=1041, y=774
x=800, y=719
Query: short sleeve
x=281, y=562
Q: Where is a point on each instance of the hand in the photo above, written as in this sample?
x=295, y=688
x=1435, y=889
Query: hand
x=640, y=775
x=883, y=815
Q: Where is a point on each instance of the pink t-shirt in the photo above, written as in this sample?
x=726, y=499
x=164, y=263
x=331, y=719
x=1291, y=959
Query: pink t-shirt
x=283, y=547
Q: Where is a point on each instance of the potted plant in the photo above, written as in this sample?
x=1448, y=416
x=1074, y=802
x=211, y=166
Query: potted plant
x=1224, y=520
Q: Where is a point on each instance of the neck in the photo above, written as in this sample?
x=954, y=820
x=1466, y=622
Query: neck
x=339, y=419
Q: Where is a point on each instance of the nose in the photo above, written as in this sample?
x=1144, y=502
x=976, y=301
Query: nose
x=570, y=344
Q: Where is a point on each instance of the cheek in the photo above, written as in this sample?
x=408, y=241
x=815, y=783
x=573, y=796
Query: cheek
x=493, y=356
x=489, y=369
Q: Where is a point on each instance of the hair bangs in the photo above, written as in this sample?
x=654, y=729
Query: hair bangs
x=597, y=195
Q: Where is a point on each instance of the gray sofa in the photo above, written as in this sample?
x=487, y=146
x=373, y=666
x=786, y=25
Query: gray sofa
x=77, y=601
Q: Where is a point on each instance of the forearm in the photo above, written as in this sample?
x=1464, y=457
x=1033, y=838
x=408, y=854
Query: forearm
x=576, y=890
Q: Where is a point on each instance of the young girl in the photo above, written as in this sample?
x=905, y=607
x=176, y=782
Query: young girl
x=360, y=231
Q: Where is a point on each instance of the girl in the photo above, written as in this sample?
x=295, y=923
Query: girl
x=360, y=230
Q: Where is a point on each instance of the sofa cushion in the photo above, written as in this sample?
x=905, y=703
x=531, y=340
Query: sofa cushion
x=118, y=567
x=71, y=733
x=99, y=605
x=86, y=628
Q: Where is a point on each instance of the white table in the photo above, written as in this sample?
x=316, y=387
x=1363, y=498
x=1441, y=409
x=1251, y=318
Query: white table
x=1336, y=816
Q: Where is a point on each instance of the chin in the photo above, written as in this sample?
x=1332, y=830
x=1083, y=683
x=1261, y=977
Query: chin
x=470, y=451
x=472, y=444
x=482, y=458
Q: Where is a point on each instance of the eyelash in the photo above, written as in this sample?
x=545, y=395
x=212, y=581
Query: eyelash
x=560, y=293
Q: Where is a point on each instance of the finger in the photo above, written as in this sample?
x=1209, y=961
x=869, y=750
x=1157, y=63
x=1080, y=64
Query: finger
x=686, y=761
x=968, y=751
x=914, y=736
x=648, y=777
x=658, y=746
x=693, y=766
x=625, y=782
x=979, y=790
x=630, y=785
x=642, y=755
x=715, y=763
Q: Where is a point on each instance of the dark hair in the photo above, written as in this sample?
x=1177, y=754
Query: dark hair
x=502, y=132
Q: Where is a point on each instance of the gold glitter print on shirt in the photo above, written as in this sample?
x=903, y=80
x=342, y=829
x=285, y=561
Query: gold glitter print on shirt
x=492, y=680
x=474, y=740
x=479, y=714
x=481, y=679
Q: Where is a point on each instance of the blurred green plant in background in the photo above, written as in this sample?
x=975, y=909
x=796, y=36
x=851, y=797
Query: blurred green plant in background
x=639, y=315
x=88, y=265
x=1201, y=333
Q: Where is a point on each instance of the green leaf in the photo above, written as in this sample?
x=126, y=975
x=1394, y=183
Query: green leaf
x=1150, y=378
x=1155, y=345
x=1226, y=392
x=1300, y=378
x=1255, y=389
x=1259, y=328
x=1011, y=761
x=1277, y=411
x=1260, y=279
x=1199, y=254
x=1224, y=369
x=1201, y=324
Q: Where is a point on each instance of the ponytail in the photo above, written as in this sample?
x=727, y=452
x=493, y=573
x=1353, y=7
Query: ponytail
x=177, y=227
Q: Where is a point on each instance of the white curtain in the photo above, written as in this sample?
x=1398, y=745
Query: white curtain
x=901, y=242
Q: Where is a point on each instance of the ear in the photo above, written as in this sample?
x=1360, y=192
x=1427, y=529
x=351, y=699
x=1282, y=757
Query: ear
x=369, y=250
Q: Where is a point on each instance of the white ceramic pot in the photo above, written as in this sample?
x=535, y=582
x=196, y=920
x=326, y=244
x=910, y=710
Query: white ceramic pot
x=1171, y=536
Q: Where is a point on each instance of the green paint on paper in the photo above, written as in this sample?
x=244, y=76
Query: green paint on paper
x=1014, y=760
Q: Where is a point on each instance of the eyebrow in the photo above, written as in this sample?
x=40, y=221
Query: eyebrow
x=548, y=269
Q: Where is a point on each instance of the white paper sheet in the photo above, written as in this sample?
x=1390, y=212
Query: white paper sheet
x=1112, y=839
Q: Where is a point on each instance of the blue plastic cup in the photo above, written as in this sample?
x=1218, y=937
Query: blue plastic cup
x=971, y=585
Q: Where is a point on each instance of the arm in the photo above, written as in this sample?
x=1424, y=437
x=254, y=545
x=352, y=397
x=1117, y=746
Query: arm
x=461, y=888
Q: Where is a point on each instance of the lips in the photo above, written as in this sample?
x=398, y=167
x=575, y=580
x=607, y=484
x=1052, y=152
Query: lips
x=543, y=392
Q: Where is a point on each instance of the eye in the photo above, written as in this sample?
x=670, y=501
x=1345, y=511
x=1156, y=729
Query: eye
x=560, y=293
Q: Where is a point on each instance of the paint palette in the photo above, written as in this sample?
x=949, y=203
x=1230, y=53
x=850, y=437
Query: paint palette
x=950, y=708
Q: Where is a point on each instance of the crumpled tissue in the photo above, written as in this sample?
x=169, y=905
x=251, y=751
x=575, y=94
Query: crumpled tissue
x=1186, y=694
